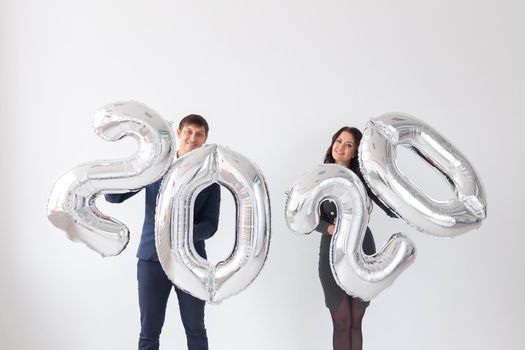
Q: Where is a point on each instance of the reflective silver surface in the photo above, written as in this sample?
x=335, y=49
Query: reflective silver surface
x=71, y=205
x=355, y=272
x=377, y=156
x=174, y=223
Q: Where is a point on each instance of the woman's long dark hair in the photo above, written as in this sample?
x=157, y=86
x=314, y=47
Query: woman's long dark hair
x=354, y=162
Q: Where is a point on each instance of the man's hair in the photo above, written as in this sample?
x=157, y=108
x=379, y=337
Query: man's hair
x=194, y=119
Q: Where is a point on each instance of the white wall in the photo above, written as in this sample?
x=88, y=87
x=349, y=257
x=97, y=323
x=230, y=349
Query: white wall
x=275, y=79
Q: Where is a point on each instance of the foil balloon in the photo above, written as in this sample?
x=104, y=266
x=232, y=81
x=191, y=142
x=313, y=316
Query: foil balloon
x=358, y=274
x=174, y=223
x=377, y=157
x=71, y=205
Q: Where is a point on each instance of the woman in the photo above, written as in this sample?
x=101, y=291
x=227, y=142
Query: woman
x=347, y=312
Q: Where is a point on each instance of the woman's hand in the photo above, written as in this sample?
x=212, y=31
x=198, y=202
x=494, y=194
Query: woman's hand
x=330, y=229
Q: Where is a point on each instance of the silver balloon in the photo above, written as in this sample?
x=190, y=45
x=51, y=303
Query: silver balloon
x=174, y=223
x=71, y=205
x=356, y=273
x=377, y=156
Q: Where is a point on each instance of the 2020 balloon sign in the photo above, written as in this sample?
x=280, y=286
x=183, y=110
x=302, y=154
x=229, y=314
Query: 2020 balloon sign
x=71, y=205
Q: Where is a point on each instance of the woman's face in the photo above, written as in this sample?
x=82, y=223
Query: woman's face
x=343, y=149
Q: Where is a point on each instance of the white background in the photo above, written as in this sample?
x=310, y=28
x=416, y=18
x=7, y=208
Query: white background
x=275, y=79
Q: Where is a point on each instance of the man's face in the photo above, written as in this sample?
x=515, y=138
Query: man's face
x=190, y=137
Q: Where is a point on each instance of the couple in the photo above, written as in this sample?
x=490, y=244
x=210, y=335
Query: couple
x=154, y=286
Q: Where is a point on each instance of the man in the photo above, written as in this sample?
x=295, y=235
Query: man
x=154, y=285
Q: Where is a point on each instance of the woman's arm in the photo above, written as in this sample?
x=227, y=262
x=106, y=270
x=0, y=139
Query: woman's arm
x=325, y=228
x=326, y=225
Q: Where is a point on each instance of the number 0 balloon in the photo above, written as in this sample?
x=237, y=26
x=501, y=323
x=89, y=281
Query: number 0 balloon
x=174, y=223
x=71, y=206
x=377, y=157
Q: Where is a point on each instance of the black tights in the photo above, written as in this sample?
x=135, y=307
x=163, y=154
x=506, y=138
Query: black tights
x=347, y=319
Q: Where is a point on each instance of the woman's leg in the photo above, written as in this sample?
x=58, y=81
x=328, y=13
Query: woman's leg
x=357, y=312
x=341, y=321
